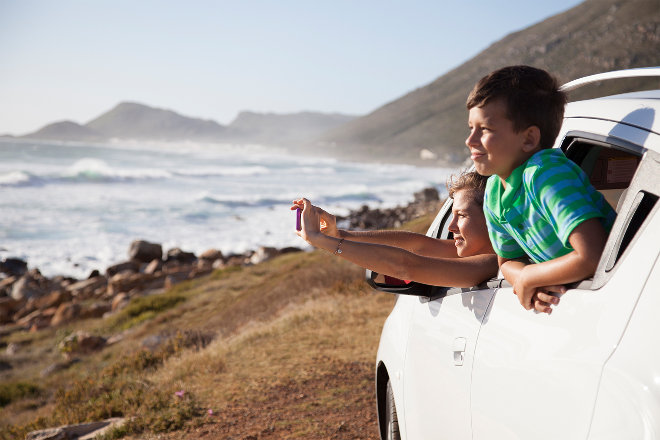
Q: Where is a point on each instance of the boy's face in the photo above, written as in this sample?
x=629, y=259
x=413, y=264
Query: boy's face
x=495, y=147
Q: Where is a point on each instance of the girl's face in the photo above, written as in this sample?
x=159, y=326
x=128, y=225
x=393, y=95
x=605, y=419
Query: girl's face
x=468, y=225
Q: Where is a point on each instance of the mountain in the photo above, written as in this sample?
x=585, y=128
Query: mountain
x=130, y=120
x=284, y=128
x=137, y=121
x=66, y=131
x=594, y=36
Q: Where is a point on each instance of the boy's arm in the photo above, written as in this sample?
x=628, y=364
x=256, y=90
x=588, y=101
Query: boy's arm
x=587, y=239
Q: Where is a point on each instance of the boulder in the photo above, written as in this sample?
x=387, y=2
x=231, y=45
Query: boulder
x=211, y=255
x=144, y=251
x=427, y=195
x=5, y=285
x=177, y=254
x=263, y=254
x=125, y=282
x=66, y=312
x=53, y=299
x=120, y=301
x=38, y=319
x=81, y=342
x=30, y=285
x=13, y=267
x=47, y=434
x=7, y=307
x=156, y=265
x=125, y=266
x=13, y=348
x=290, y=250
x=87, y=288
x=95, y=310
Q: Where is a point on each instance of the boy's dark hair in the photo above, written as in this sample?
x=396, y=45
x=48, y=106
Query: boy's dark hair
x=532, y=97
x=468, y=180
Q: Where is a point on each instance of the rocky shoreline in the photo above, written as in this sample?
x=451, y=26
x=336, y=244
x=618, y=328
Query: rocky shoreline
x=31, y=301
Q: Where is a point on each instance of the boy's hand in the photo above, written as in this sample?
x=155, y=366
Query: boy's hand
x=544, y=299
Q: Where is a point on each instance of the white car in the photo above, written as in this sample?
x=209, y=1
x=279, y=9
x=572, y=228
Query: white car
x=474, y=364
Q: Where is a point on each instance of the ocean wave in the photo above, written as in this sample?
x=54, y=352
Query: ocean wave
x=252, y=170
x=19, y=178
x=240, y=202
x=96, y=170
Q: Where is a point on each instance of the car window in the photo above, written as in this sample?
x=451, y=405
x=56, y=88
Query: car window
x=628, y=177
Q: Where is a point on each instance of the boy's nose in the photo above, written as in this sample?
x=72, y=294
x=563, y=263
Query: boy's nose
x=472, y=139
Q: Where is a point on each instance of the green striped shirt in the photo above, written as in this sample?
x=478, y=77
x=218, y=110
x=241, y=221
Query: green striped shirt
x=544, y=200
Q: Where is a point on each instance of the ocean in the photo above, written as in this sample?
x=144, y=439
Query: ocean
x=68, y=209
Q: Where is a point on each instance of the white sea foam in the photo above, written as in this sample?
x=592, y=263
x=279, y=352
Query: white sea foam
x=15, y=178
x=70, y=209
x=96, y=169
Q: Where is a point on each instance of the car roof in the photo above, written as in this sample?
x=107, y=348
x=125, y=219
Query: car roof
x=639, y=109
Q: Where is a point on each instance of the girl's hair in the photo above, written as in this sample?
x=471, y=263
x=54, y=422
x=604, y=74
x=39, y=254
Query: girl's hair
x=469, y=180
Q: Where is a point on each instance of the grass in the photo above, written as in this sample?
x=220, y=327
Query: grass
x=250, y=342
x=13, y=391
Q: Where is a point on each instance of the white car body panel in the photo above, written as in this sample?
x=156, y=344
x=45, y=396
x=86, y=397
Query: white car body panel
x=588, y=371
x=437, y=381
x=626, y=382
x=528, y=363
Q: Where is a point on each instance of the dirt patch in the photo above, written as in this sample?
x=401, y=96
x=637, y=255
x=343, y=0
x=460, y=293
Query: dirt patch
x=300, y=409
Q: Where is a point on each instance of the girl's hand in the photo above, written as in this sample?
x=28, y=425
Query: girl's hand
x=327, y=221
x=310, y=220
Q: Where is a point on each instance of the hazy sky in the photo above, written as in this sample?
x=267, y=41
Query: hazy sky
x=75, y=59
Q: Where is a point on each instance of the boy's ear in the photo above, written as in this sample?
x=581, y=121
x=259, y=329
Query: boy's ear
x=531, y=138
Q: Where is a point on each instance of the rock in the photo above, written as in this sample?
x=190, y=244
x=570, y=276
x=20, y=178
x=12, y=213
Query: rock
x=427, y=195
x=81, y=343
x=83, y=431
x=66, y=312
x=263, y=254
x=38, y=319
x=4, y=365
x=177, y=254
x=13, y=267
x=120, y=301
x=7, y=307
x=153, y=342
x=125, y=282
x=156, y=265
x=144, y=251
x=289, y=250
x=93, y=274
x=211, y=255
x=29, y=285
x=12, y=348
x=95, y=310
x=58, y=366
x=5, y=285
x=47, y=434
x=126, y=266
x=53, y=299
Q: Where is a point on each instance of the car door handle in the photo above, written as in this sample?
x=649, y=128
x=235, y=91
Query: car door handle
x=459, y=351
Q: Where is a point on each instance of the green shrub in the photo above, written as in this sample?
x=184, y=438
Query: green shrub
x=12, y=391
x=143, y=308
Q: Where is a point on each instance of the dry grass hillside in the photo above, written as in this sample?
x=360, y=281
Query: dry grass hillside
x=593, y=37
x=283, y=349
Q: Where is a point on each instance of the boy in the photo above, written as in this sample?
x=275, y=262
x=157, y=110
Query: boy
x=538, y=203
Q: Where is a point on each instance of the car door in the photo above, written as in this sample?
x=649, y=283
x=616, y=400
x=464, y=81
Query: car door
x=537, y=375
x=444, y=325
